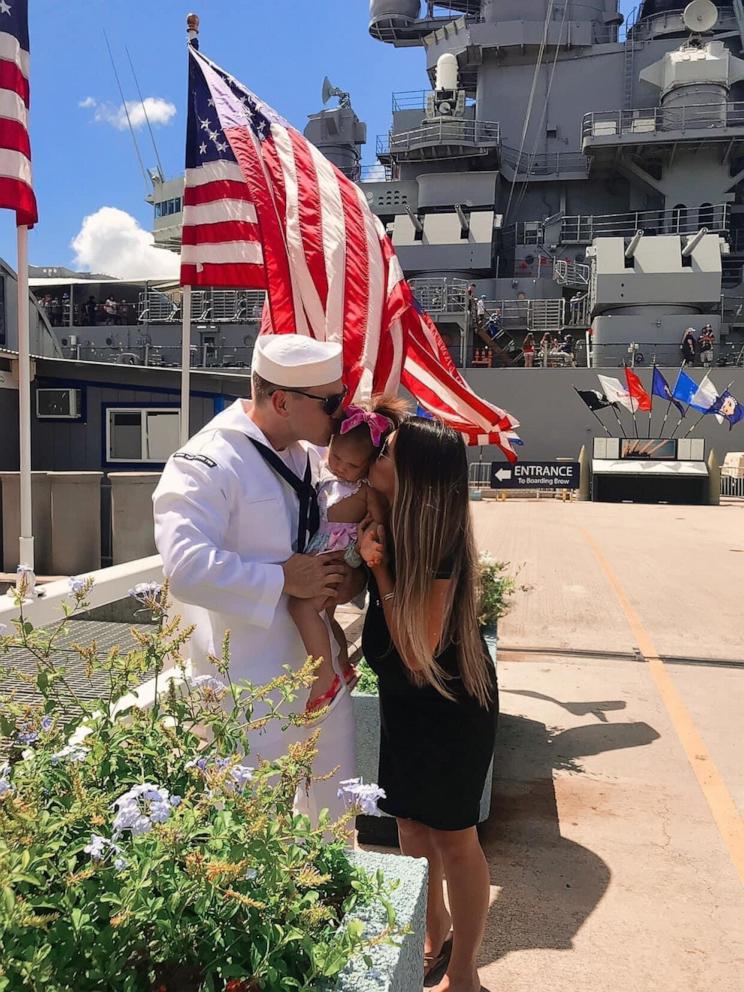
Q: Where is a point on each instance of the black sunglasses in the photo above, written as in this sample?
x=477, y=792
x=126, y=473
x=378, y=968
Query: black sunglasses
x=330, y=403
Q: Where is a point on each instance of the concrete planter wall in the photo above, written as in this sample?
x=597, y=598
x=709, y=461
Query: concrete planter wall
x=132, y=531
x=41, y=498
x=382, y=830
x=76, y=522
x=399, y=967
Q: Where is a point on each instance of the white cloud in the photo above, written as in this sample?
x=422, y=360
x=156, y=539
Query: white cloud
x=111, y=241
x=154, y=108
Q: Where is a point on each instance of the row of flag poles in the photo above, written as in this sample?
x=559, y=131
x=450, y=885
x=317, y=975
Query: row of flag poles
x=685, y=395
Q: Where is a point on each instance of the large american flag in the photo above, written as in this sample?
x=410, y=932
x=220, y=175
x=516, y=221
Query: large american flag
x=264, y=208
x=16, y=191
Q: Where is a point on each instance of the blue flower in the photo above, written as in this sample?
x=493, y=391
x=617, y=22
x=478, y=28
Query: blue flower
x=141, y=807
x=77, y=585
x=147, y=593
x=5, y=785
x=3, y=629
x=47, y=722
x=120, y=864
x=206, y=683
x=99, y=846
x=75, y=752
x=27, y=736
x=360, y=796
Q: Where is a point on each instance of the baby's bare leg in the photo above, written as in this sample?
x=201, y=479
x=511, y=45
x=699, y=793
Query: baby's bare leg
x=339, y=637
x=315, y=637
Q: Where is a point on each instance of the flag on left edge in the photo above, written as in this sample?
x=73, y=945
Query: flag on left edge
x=16, y=191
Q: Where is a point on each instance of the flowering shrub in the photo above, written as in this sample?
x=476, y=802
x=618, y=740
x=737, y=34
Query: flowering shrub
x=496, y=589
x=141, y=850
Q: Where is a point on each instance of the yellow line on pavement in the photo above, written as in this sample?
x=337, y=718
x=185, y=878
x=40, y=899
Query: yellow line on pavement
x=727, y=818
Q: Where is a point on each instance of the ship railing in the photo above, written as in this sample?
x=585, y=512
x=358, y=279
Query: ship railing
x=441, y=295
x=575, y=274
x=219, y=305
x=550, y=164
x=62, y=313
x=584, y=228
x=641, y=29
x=376, y=173
x=416, y=100
x=667, y=354
x=441, y=131
x=655, y=120
x=531, y=315
x=148, y=355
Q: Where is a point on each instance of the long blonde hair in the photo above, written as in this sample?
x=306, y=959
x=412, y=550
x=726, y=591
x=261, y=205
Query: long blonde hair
x=431, y=530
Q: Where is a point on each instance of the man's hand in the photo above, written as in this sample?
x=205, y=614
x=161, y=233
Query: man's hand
x=308, y=576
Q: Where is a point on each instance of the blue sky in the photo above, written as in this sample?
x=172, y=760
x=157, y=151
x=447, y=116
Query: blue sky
x=279, y=48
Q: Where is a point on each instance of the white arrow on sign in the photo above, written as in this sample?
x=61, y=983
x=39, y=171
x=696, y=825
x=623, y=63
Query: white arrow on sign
x=503, y=473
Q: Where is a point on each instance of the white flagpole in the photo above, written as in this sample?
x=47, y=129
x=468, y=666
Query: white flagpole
x=185, y=361
x=26, y=542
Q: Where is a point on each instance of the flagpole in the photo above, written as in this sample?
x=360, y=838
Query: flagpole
x=192, y=34
x=595, y=415
x=185, y=362
x=26, y=540
x=617, y=417
x=651, y=394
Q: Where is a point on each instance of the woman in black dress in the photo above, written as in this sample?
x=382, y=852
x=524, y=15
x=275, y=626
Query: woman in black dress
x=438, y=694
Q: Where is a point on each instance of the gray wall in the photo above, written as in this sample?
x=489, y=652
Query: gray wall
x=555, y=422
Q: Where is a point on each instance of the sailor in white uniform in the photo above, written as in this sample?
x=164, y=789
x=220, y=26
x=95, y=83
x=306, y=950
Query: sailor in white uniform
x=233, y=511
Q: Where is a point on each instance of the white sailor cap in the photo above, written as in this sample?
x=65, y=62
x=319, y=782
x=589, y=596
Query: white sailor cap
x=297, y=360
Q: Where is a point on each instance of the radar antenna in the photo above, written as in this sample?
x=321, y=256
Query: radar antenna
x=329, y=90
x=126, y=109
x=144, y=111
x=700, y=16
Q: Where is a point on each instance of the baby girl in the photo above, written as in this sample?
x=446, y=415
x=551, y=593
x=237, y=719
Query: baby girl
x=343, y=502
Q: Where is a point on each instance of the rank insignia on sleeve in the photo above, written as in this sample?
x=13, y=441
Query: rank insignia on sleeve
x=188, y=457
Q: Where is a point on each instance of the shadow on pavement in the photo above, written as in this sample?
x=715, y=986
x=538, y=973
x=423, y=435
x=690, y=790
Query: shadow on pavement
x=548, y=885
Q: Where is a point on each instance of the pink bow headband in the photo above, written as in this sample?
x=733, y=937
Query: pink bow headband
x=377, y=423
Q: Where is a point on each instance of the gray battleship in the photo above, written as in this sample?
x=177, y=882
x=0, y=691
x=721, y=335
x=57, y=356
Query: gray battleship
x=565, y=175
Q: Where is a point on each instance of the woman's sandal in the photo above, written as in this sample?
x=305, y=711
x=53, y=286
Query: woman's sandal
x=434, y=962
x=351, y=677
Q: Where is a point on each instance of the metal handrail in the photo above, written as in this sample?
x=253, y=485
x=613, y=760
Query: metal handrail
x=567, y=273
x=220, y=305
x=441, y=131
x=583, y=228
x=441, y=295
x=653, y=120
x=534, y=315
x=640, y=29
x=552, y=163
x=416, y=100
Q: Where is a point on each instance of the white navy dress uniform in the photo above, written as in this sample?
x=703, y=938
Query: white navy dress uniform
x=225, y=521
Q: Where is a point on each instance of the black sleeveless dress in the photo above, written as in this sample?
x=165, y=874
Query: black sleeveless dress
x=434, y=753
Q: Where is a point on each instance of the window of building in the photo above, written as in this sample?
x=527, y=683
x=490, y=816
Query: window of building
x=142, y=435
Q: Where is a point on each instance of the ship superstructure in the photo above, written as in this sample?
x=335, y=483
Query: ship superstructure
x=575, y=173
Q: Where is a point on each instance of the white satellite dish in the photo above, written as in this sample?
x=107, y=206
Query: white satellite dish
x=700, y=16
